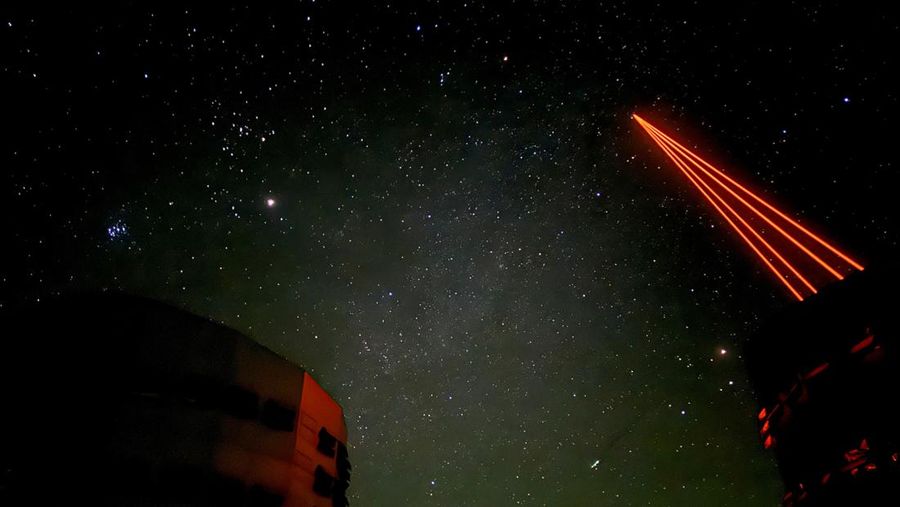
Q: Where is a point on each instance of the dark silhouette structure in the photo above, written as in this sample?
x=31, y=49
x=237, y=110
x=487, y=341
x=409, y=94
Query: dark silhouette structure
x=827, y=370
x=827, y=373
x=119, y=400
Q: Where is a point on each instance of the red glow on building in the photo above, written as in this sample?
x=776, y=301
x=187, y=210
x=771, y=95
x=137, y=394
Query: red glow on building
x=863, y=344
x=825, y=385
x=817, y=370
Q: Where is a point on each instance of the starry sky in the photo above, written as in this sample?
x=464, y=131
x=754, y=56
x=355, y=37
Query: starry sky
x=443, y=211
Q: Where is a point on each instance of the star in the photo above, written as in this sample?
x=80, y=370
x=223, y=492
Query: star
x=117, y=231
x=494, y=203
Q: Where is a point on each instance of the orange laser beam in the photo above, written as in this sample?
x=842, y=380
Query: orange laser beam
x=793, y=222
x=769, y=247
x=728, y=219
x=691, y=176
x=682, y=149
x=696, y=158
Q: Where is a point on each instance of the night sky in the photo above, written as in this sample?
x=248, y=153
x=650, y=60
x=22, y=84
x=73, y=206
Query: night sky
x=444, y=212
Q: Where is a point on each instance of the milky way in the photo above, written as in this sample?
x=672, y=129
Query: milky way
x=447, y=216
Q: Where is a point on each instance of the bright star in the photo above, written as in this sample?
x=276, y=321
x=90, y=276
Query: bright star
x=117, y=231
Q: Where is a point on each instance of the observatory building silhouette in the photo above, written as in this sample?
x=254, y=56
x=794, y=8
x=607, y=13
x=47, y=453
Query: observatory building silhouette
x=120, y=400
x=826, y=372
x=827, y=369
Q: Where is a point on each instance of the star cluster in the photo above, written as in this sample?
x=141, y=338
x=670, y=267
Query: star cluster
x=445, y=214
